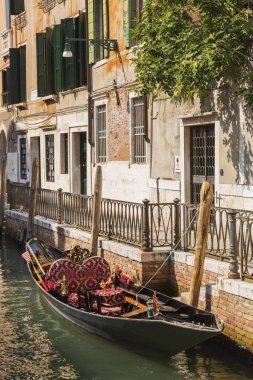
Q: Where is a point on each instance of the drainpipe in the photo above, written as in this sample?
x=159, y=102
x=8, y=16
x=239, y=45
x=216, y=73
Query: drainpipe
x=158, y=200
x=89, y=92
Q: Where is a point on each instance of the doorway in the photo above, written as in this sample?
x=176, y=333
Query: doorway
x=83, y=163
x=202, y=158
x=35, y=153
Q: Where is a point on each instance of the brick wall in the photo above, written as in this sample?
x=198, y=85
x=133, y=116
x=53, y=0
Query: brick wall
x=141, y=272
x=235, y=310
x=230, y=300
x=118, y=126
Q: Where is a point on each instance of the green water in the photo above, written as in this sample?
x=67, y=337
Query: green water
x=35, y=343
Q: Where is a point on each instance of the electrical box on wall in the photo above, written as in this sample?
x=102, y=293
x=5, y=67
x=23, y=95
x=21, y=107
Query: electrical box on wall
x=177, y=164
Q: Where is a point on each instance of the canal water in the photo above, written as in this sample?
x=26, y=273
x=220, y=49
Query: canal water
x=35, y=343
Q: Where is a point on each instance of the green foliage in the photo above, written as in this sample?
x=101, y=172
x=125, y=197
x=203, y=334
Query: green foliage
x=184, y=47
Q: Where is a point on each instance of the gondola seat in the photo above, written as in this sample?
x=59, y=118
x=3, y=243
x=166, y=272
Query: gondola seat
x=83, y=277
x=107, y=301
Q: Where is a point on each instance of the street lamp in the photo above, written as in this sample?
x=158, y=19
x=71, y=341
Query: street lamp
x=107, y=44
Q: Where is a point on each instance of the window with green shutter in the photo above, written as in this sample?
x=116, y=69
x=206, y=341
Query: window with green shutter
x=82, y=58
x=98, y=26
x=58, y=47
x=69, y=64
x=41, y=77
x=5, y=87
x=45, y=63
x=17, y=70
x=17, y=7
x=50, y=88
x=15, y=76
x=22, y=76
x=131, y=14
x=91, y=30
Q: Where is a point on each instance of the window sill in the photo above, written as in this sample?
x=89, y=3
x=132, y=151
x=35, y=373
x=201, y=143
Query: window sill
x=73, y=91
x=51, y=99
x=21, y=106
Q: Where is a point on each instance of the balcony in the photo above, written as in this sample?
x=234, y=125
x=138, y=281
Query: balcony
x=21, y=21
x=6, y=41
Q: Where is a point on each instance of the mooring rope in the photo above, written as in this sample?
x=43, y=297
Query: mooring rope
x=172, y=251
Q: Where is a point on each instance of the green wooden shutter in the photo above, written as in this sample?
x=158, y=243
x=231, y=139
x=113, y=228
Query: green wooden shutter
x=58, y=58
x=132, y=19
x=40, y=48
x=17, y=7
x=69, y=73
x=126, y=26
x=83, y=49
x=14, y=75
x=97, y=29
x=50, y=89
x=91, y=30
x=8, y=77
x=78, y=44
x=22, y=67
x=106, y=25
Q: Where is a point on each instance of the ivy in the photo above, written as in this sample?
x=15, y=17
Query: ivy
x=186, y=48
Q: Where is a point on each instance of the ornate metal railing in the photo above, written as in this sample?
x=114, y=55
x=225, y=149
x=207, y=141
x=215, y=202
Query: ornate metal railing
x=150, y=225
x=122, y=221
x=77, y=210
x=19, y=196
x=47, y=204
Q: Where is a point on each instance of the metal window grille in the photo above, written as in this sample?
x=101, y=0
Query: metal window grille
x=202, y=159
x=101, y=133
x=23, y=168
x=50, y=158
x=66, y=154
x=139, y=144
x=139, y=7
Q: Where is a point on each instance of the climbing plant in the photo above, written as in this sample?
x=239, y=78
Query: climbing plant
x=185, y=48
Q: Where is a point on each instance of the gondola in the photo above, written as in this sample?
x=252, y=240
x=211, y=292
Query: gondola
x=172, y=328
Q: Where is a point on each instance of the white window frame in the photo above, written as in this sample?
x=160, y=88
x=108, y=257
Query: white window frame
x=133, y=96
x=96, y=107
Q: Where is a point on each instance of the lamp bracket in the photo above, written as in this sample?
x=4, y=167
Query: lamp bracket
x=107, y=44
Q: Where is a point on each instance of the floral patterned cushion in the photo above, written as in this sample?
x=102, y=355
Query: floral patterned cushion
x=84, y=277
x=109, y=296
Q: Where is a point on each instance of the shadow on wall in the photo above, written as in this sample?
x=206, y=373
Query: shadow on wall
x=236, y=123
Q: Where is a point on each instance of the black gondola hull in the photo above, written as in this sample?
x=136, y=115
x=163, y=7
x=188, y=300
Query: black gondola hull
x=169, y=337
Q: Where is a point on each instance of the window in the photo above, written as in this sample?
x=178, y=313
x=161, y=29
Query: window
x=101, y=133
x=22, y=150
x=131, y=13
x=7, y=14
x=54, y=73
x=64, y=153
x=17, y=7
x=18, y=75
x=50, y=158
x=138, y=131
x=98, y=25
x=5, y=87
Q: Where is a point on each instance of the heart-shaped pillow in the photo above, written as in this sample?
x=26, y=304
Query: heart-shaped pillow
x=86, y=276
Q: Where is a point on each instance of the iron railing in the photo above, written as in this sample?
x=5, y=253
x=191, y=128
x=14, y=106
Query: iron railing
x=149, y=225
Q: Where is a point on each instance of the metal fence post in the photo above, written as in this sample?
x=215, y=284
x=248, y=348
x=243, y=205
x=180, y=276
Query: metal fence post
x=146, y=247
x=233, y=249
x=59, y=206
x=176, y=237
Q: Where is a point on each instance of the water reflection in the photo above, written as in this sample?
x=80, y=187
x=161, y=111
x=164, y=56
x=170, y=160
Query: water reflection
x=35, y=343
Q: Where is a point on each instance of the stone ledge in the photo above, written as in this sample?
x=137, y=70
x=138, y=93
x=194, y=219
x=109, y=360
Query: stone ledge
x=211, y=265
x=121, y=249
x=235, y=287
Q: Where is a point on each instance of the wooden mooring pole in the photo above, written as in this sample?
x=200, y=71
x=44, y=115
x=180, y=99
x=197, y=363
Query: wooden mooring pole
x=33, y=199
x=3, y=192
x=206, y=201
x=97, y=196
